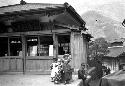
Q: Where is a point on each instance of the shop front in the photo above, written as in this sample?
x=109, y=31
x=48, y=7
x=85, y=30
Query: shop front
x=32, y=34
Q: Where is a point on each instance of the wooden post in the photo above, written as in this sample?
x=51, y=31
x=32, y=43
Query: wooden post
x=85, y=42
x=55, y=45
x=24, y=53
x=118, y=60
x=72, y=49
x=39, y=44
x=8, y=46
x=9, y=53
x=86, y=54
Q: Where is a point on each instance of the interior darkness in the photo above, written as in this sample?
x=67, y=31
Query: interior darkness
x=3, y=28
x=3, y=46
x=64, y=44
x=15, y=46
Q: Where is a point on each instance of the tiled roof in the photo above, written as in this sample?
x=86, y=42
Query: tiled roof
x=116, y=51
x=39, y=8
x=28, y=6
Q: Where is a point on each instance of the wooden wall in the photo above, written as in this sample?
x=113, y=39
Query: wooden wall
x=78, y=50
x=112, y=63
x=33, y=64
x=11, y=64
x=39, y=64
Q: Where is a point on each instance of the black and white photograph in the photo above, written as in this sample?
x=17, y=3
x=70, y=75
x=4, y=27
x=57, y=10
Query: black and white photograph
x=62, y=43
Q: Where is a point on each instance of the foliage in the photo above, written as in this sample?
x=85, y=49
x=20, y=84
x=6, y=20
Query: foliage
x=98, y=48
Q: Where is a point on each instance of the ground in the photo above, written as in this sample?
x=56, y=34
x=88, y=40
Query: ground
x=94, y=83
x=33, y=80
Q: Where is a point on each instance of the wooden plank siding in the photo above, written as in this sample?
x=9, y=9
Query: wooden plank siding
x=33, y=64
x=38, y=64
x=112, y=63
x=78, y=50
x=11, y=63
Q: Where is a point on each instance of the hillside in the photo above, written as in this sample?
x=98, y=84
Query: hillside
x=100, y=25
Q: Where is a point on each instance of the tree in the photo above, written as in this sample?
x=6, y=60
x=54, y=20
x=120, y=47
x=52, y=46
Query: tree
x=98, y=49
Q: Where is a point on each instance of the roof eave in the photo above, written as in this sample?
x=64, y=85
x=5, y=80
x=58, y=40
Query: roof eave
x=68, y=8
x=74, y=14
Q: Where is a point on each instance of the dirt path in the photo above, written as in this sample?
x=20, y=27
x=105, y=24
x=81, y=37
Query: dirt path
x=31, y=80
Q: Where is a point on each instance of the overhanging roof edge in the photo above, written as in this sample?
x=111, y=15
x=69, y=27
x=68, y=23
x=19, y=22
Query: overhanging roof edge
x=31, y=4
x=73, y=12
x=28, y=6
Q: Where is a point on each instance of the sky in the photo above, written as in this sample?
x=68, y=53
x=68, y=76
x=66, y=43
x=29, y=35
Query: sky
x=81, y=6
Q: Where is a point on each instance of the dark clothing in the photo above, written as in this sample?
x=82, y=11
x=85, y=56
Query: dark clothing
x=81, y=74
x=108, y=71
x=67, y=72
x=114, y=79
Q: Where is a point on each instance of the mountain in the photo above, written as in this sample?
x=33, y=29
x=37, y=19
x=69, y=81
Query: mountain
x=100, y=25
x=114, y=10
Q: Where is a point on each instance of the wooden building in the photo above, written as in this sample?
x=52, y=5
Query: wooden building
x=115, y=57
x=32, y=34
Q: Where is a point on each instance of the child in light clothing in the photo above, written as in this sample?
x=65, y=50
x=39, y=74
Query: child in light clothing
x=58, y=70
x=53, y=69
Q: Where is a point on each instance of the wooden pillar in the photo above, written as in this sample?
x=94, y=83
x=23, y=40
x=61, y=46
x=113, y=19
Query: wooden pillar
x=72, y=48
x=8, y=46
x=118, y=60
x=8, y=25
x=55, y=45
x=86, y=47
x=78, y=49
x=38, y=44
x=24, y=53
x=8, y=54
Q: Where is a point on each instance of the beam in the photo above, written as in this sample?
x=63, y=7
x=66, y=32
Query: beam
x=58, y=31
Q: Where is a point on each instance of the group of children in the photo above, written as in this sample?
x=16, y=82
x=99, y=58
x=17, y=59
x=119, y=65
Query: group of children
x=61, y=71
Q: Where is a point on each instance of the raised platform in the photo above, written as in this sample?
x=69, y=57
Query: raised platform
x=34, y=80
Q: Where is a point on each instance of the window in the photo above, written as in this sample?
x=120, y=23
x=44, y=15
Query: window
x=63, y=44
x=15, y=46
x=46, y=46
x=32, y=43
x=40, y=46
x=3, y=46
